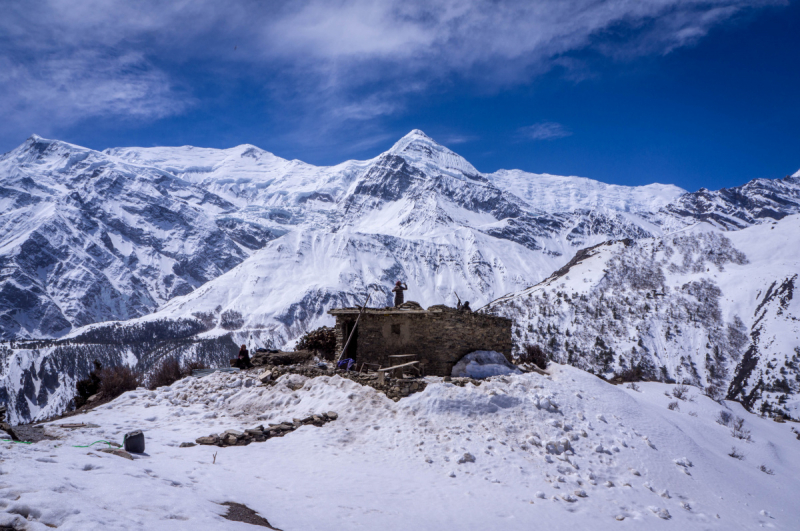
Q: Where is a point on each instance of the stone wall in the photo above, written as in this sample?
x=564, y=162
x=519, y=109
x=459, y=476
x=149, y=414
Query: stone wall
x=439, y=338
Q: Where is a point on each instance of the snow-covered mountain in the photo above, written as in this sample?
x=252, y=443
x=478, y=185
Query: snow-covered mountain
x=710, y=308
x=84, y=238
x=89, y=236
x=242, y=244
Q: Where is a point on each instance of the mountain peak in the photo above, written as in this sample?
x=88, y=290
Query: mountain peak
x=420, y=150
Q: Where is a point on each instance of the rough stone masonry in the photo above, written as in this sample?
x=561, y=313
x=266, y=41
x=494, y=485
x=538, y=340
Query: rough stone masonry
x=438, y=336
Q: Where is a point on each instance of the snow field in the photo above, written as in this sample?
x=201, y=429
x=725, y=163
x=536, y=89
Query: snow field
x=518, y=451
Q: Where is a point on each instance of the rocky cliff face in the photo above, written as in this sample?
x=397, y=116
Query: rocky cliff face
x=256, y=248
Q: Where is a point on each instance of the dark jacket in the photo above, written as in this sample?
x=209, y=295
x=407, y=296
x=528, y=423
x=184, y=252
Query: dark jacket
x=398, y=293
x=243, y=362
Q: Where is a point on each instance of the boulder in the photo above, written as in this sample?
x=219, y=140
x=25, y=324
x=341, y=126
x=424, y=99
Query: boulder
x=6, y=427
x=212, y=440
x=117, y=452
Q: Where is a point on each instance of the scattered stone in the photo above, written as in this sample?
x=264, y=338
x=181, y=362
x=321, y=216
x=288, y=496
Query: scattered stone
x=635, y=472
x=559, y=447
x=332, y=415
x=580, y=493
x=117, y=452
x=212, y=440
x=92, y=398
x=620, y=517
x=569, y=498
x=187, y=445
x=242, y=513
x=466, y=458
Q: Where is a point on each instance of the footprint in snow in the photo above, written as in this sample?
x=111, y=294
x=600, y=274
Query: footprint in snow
x=661, y=513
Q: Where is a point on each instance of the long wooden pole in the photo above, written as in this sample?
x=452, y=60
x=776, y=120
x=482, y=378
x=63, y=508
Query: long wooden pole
x=353, y=330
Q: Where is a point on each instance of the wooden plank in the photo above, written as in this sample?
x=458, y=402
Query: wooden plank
x=387, y=369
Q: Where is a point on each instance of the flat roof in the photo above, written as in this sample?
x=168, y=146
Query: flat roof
x=391, y=310
x=381, y=311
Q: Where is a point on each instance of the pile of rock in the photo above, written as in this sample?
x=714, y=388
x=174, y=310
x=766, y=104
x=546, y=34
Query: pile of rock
x=261, y=433
x=397, y=388
x=278, y=357
x=394, y=388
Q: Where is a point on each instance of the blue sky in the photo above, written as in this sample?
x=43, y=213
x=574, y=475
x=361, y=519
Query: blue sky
x=691, y=92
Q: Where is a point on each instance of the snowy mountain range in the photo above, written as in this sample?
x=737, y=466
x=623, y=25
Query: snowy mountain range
x=195, y=245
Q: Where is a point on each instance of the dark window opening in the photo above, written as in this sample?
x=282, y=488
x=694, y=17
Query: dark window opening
x=352, y=347
x=396, y=329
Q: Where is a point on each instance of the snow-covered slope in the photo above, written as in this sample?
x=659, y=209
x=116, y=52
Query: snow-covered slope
x=554, y=193
x=703, y=306
x=632, y=463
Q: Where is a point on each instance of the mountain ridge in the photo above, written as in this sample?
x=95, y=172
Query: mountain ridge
x=223, y=247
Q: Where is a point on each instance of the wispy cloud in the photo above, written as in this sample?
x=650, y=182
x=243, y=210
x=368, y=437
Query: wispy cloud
x=338, y=62
x=543, y=131
x=455, y=139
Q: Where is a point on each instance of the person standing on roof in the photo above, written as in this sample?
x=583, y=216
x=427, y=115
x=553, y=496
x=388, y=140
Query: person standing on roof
x=399, y=288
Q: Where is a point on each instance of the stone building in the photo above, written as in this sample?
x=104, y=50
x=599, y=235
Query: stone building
x=438, y=336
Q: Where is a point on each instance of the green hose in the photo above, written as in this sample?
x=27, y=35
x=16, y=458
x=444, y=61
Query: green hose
x=87, y=446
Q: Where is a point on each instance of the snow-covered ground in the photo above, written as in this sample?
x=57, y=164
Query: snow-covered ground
x=387, y=465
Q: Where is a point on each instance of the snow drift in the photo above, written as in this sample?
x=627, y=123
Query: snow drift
x=565, y=451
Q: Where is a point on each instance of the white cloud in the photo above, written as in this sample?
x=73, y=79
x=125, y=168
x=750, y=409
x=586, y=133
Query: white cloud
x=543, y=131
x=61, y=90
x=344, y=61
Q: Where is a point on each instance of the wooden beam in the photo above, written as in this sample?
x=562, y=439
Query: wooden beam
x=387, y=369
x=339, y=358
